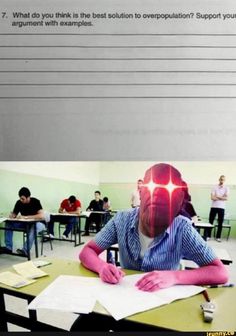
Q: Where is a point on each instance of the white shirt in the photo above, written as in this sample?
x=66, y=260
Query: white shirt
x=135, y=198
x=220, y=191
x=145, y=242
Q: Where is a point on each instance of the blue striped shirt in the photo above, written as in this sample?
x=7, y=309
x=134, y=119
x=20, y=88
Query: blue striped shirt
x=179, y=241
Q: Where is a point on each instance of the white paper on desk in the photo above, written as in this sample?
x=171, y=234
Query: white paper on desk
x=29, y=270
x=68, y=293
x=86, y=213
x=125, y=299
x=14, y=280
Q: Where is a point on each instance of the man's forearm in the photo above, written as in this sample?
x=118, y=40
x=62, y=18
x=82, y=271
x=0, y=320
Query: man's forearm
x=215, y=273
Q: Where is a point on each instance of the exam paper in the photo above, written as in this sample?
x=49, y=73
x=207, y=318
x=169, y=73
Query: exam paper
x=79, y=294
x=29, y=270
x=126, y=299
x=14, y=280
x=68, y=293
x=129, y=73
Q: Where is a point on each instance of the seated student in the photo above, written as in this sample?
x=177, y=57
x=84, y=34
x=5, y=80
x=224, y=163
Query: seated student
x=106, y=208
x=95, y=205
x=154, y=238
x=68, y=205
x=26, y=207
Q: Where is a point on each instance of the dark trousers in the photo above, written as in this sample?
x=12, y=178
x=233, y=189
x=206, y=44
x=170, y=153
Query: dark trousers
x=93, y=218
x=70, y=224
x=213, y=212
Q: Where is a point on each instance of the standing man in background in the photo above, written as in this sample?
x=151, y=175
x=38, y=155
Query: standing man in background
x=219, y=195
x=135, y=197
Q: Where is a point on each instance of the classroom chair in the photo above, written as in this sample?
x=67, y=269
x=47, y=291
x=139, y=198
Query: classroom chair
x=45, y=237
x=113, y=255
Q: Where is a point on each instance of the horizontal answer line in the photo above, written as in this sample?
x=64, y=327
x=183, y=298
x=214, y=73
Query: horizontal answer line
x=117, y=71
x=117, y=34
x=115, y=59
x=125, y=97
x=118, y=47
x=117, y=84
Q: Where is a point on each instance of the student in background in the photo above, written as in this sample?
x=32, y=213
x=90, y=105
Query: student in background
x=95, y=205
x=135, y=196
x=219, y=196
x=69, y=205
x=154, y=238
x=26, y=207
x=106, y=208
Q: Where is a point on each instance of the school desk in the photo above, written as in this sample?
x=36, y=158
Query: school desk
x=181, y=315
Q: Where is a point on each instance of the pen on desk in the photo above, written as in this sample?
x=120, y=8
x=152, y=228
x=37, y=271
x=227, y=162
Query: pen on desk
x=221, y=286
x=206, y=296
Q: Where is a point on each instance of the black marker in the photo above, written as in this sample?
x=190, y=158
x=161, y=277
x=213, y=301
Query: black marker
x=221, y=286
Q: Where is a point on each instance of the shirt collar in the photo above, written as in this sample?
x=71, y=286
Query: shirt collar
x=135, y=221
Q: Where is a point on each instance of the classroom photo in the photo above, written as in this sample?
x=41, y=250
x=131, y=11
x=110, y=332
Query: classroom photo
x=121, y=246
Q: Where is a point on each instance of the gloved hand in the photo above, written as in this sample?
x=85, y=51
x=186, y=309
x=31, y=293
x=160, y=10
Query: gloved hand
x=156, y=280
x=110, y=273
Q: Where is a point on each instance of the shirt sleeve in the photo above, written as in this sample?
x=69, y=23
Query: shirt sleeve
x=227, y=191
x=108, y=235
x=38, y=205
x=213, y=191
x=78, y=204
x=16, y=209
x=90, y=206
x=195, y=248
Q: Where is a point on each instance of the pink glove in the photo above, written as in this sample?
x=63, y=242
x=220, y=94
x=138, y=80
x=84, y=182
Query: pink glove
x=110, y=273
x=156, y=280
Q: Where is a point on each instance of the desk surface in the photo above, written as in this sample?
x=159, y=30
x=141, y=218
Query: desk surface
x=22, y=219
x=203, y=225
x=68, y=214
x=182, y=315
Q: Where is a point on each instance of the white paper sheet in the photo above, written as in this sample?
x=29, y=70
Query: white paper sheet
x=14, y=280
x=68, y=293
x=86, y=213
x=79, y=294
x=29, y=270
x=126, y=299
x=129, y=73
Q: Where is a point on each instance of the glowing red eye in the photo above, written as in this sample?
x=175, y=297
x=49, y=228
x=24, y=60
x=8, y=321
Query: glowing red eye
x=170, y=187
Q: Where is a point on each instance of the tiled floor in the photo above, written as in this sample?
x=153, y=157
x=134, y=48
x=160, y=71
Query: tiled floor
x=67, y=250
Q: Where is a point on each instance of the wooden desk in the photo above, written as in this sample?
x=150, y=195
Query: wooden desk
x=28, y=224
x=181, y=315
x=60, y=217
x=86, y=214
